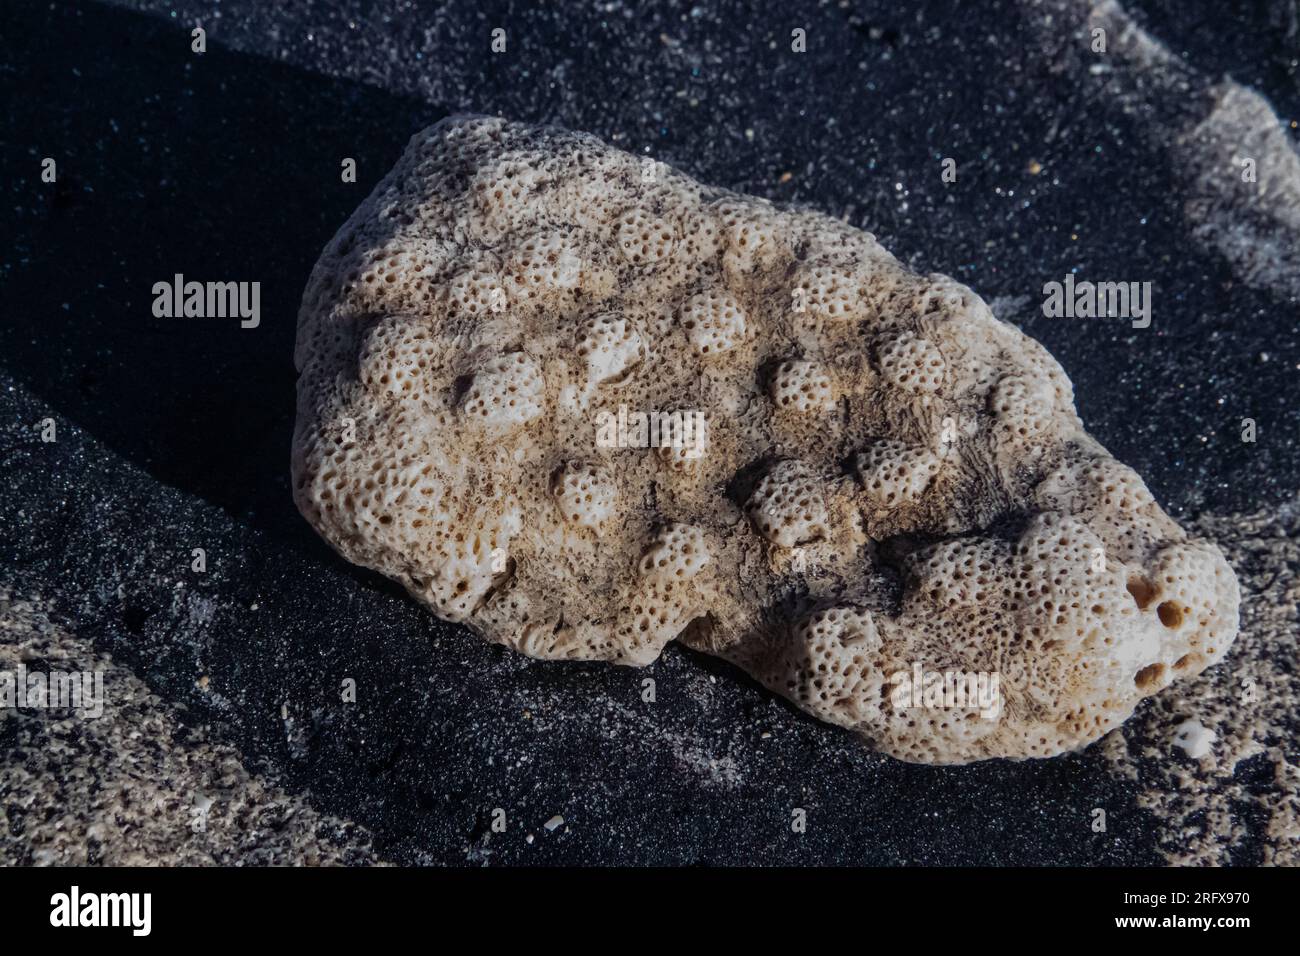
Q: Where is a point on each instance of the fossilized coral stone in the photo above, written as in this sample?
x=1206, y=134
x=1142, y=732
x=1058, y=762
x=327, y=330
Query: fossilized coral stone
x=888, y=509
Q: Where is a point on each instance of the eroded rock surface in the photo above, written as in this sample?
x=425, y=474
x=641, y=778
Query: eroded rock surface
x=586, y=406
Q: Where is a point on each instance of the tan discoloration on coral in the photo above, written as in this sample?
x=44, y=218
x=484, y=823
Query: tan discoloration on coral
x=889, y=475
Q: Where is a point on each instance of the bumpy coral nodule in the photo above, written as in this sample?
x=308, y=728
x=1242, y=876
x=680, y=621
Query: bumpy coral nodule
x=888, y=501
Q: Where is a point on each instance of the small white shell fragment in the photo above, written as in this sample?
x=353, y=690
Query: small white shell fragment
x=1193, y=739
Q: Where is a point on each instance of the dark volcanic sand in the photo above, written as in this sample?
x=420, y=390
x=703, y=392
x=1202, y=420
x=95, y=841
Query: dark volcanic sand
x=174, y=434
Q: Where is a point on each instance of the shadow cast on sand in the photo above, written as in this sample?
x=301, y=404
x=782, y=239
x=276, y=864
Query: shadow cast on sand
x=221, y=167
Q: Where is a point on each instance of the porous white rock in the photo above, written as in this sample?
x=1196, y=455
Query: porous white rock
x=893, y=499
x=506, y=393
x=714, y=322
x=802, y=387
x=678, y=551
x=787, y=507
x=894, y=473
x=586, y=494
